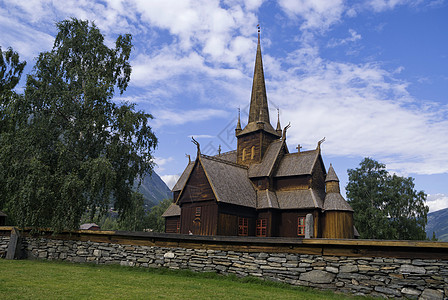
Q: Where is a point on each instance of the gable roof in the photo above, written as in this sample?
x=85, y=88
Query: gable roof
x=229, y=181
x=299, y=199
x=265, y=168
x=172, y=211
x=300, y=163
x=2, y=214
x=183, y=178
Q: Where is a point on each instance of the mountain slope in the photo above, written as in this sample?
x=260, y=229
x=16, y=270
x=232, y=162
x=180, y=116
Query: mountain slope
x=438, y=223
x=154, y=190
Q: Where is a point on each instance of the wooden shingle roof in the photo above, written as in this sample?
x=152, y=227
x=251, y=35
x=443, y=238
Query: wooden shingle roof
x=331, y=175
x=183, y=178
x=229, y=156
x=172, y=211
x=298, y=199
x=229, y=181
x=335, y=201
x=267, y=199
x=2, y=214
x=300, y=163
x=265, y=168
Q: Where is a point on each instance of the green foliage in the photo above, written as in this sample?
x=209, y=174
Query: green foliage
x=72, y=148
x=11, y=69
x=154, y=219
x=386, y=206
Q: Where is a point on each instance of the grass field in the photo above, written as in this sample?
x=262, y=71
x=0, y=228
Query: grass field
x=25, y=279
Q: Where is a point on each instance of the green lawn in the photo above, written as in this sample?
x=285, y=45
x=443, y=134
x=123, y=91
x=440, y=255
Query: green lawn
x=26, y=279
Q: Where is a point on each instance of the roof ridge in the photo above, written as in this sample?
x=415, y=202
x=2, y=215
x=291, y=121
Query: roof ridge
x=231, y=151
x=224, y=161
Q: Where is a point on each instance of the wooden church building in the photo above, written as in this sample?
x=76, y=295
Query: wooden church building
x=261, y=188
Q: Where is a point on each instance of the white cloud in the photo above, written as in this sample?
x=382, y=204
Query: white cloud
x=201, y=136
x=382, y=5
x=316, y=14
x=170, y=180
x=354, y=36
x=160, y=162
x=362, y=111
x=437, y=202
x=169, y=117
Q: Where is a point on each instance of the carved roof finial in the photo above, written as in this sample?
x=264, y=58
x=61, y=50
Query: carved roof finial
x=197, y=145
x=284, y=131
x=319, y=143
x=189, y=158
x=219, y=150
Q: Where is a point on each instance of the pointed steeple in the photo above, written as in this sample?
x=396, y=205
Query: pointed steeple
x=331, y=175
x=332, y=181
x=279, y=128
x=238, y=124
x=258, y=111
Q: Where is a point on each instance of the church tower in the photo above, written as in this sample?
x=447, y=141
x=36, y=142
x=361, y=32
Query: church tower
x=258, y=134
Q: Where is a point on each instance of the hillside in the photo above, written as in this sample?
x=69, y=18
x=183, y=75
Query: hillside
x=438, y=223
x=154, y=190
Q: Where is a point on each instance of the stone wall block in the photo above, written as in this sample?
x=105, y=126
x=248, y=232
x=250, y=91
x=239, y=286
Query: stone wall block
x=317, y=276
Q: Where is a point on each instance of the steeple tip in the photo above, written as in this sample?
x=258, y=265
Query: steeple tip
x=279, y=128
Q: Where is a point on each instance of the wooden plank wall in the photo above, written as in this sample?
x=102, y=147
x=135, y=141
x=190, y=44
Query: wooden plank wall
x=337, y=225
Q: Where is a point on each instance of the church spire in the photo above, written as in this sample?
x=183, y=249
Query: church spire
x=238, y=124
x=258, y=111
x=279, y=128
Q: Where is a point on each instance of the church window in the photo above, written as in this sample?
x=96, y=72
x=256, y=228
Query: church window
x=301, y=226
x=178, y=227
x=198, y=212
x=252, y=152
x=197, y=215
x=261, y=227
x=243, y=155
x=243, y=226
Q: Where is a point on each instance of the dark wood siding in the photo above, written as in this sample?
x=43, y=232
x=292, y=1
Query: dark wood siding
x=318, y=178
x=292, y=183
x=338, y=225
x=228, y=224
x=228, y=218
x=288, y=222
x=197, y=188
x=175, y=195
x=206, y=224
x=260, y=140
x=273, y=221
x=171, y=224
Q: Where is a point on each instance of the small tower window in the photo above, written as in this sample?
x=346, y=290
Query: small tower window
x=252, y=152
x=243, y=155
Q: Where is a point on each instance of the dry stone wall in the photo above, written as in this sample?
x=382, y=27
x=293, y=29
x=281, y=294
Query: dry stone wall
x=383, y=277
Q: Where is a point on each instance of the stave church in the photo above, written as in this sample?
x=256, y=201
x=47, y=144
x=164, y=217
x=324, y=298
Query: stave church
x=261, y=188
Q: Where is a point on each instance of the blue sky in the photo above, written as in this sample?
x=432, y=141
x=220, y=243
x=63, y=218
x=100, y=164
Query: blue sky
x=370, y=76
